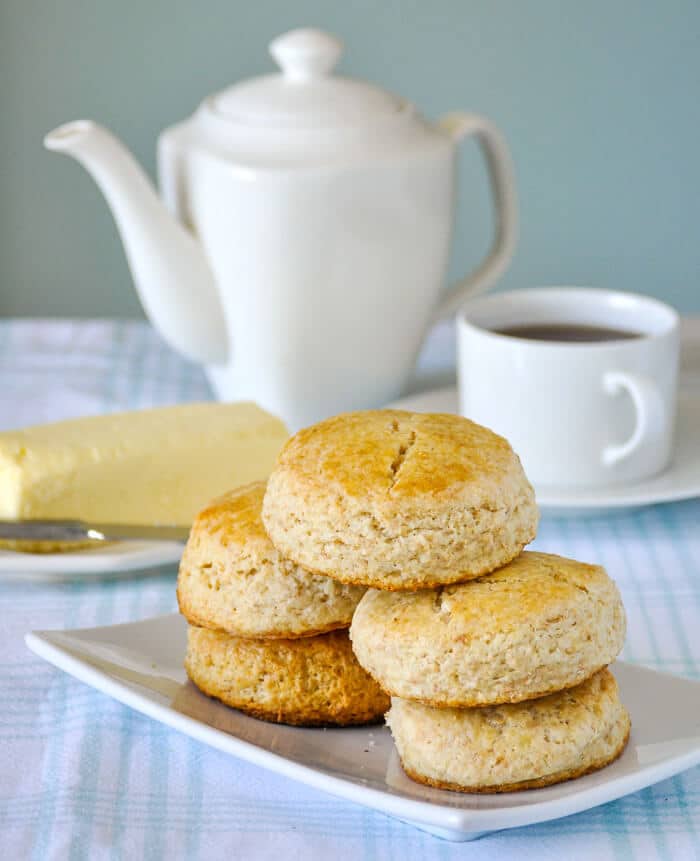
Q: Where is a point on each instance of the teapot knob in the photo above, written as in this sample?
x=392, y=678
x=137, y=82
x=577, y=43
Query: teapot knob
x=306, y=53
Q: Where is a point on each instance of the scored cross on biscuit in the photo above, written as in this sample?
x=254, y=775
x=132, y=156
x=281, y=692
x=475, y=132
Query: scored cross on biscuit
x=399, y=500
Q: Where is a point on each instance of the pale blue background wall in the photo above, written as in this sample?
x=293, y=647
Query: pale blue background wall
x=598, y=99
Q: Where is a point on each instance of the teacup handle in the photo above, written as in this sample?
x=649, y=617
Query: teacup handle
x=459, y=125
x=649, y=409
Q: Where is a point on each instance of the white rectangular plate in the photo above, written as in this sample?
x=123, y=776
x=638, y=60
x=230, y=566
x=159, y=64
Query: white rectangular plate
x=140, y=664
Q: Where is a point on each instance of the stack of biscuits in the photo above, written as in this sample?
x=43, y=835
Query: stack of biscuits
x=495, y=658
x=266, y=636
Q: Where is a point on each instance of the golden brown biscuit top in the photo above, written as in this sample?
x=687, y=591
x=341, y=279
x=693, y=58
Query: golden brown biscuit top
x=234, y=518
x=398, y=454
x=533, y=588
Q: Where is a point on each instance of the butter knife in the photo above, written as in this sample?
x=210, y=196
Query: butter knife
x=78, y=530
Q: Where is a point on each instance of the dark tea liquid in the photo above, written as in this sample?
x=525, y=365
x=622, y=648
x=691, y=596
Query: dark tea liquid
x=567, y=333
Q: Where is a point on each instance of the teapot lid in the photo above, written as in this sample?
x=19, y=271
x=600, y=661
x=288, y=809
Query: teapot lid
x=306, y=95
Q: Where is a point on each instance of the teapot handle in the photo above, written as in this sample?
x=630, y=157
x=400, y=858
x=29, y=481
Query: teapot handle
x=459, y=125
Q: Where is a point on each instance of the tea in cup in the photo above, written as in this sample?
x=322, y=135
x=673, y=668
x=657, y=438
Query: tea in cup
x=581, y=381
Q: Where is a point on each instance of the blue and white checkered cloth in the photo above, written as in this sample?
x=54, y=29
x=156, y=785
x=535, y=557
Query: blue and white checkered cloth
x=84, y=777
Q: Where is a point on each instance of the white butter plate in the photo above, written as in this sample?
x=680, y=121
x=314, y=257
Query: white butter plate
x=110, y=560
x=680, y=481
x=140, y=665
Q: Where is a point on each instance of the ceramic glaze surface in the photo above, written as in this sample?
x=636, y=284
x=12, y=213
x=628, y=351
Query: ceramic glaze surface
x=319, y=297
x=578, y=414
x=140, y=664
x=301, y=249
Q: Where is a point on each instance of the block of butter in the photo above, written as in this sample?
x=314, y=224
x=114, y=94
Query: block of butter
x=151, y=466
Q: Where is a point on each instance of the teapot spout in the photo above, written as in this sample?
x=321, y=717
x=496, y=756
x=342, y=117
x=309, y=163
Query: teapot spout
x=170, y=271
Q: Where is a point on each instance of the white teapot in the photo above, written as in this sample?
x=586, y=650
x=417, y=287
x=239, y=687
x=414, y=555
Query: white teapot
x=302, y=246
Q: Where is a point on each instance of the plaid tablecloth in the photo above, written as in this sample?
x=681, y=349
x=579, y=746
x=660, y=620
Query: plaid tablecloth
x=84, y=777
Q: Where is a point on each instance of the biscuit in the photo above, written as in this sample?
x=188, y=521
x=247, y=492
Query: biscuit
x=312, y=681
x=399, y=500
x=232, y=579
x=512, y=747
x=540, y=624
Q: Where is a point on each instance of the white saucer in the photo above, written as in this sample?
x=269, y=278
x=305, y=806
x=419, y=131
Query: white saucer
x=140, y=664
x=118, y=558
x=680, y=481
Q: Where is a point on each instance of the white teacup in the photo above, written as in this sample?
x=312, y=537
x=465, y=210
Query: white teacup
x=579, y=413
